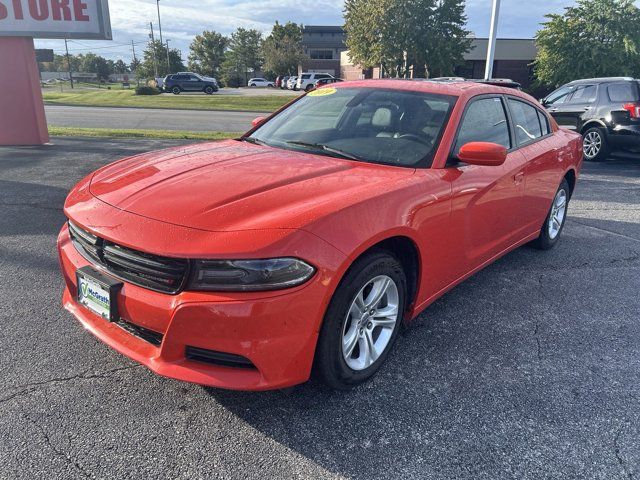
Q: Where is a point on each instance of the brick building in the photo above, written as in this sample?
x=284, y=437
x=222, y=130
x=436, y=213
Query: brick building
x=323, y=46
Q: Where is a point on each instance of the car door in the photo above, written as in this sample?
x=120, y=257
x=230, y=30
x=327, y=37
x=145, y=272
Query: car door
x=534, y=138
x=193, y=83
x=554, y=103
x=572, y=112
x=486, y=200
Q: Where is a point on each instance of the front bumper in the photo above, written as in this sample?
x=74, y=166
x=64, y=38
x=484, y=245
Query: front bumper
x=275, y=331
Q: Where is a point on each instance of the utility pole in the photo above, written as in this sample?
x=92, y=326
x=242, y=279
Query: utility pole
x=160, y=30
x=135, y=61
x=66, y=47
x=153, y=43
x=168, y=62
x=491, y=49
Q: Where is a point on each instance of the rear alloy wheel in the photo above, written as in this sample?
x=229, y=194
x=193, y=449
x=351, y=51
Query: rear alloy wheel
x=176, y=90
x=208, y=90
x=362, y=321
x=594, y=145
x=554, y=223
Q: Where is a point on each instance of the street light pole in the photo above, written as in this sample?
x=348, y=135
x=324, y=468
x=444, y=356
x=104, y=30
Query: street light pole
x=491, y=50
x=168, y=62
x=160, y=26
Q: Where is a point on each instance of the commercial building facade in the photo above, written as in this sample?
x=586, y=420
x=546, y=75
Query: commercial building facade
x=327, y=53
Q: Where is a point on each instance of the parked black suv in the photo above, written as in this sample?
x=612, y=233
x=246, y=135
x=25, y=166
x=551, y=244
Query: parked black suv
x=189, y=82
x=606, y=111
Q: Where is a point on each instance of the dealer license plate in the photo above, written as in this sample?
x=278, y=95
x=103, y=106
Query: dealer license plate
x=98, y=292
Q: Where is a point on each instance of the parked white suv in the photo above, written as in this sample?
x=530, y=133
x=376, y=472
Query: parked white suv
x=307, y=81
x=291, y=83
x=260, y=82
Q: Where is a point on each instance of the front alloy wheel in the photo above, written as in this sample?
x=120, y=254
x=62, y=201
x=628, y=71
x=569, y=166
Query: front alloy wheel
x=370, y=322
x=362, y=321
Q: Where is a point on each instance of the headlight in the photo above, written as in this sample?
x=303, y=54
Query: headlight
x=249, y=275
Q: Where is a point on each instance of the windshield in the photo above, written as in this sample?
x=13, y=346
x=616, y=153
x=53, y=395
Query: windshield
x=373, y=125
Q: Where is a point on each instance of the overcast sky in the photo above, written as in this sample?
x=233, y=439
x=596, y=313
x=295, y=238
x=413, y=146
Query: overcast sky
x=182, y=19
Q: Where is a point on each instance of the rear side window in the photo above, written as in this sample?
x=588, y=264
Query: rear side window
x=622, y=92
x=525, y=121
x=584, y=94
x=484, y=121
x=544, y=123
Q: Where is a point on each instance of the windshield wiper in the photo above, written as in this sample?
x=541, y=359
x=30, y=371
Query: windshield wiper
x=255, y=141
x=325, y=148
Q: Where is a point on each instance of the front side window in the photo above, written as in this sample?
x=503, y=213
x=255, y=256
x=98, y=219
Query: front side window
x=525, y=121
x=393, y=127
x=484, y=121
x=558, y=97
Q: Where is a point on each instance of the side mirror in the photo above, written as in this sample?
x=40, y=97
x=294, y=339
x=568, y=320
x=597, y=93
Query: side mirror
x=257, y=121
x=483, y=153
x=543, y=102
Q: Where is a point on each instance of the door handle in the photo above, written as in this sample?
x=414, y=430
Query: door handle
x=518, y=177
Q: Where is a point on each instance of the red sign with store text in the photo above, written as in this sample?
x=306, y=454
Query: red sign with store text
x=88, y=19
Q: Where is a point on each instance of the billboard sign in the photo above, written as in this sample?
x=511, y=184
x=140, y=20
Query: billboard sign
x=44, y=55
x=81, y=19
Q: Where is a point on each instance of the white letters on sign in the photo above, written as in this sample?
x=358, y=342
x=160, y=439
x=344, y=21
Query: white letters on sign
x=55, y=19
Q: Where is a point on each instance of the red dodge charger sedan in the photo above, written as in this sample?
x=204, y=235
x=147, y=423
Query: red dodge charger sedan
x=304, y=246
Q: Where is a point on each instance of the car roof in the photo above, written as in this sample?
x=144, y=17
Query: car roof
x=454, y=88
x=601, y=80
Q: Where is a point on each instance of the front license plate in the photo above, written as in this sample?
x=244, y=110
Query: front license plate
x=98, y=292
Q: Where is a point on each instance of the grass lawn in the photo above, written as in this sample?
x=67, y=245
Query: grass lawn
x=108, y=132
x=126, y=98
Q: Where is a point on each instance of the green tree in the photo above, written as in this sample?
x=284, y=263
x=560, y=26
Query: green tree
x=424, y=36
x=207, y=53
x=120, y=67
x=282, y=49
x=97, y=64
x=157, y=52
x=244, y=56
x=594, y=38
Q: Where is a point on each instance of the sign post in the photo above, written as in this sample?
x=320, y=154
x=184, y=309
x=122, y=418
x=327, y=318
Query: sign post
x=22, y=117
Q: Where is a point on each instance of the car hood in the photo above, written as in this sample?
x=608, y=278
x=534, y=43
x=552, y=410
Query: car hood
x=232, y=185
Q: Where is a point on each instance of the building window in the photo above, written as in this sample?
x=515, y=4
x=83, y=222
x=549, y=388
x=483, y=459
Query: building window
x=317, y=54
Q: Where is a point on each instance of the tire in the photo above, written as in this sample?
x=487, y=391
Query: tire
x=595, y=145
x=551, y=230
x=252, y=85
x=208, y=90
x=176, y=90
x=334, y=365
x=308, y=88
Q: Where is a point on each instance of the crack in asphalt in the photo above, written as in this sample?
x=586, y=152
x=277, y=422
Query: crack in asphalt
x=616, y=449
x=30, y=387
x=60, y=453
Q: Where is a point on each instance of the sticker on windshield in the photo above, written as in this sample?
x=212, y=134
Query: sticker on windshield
x=322, y=92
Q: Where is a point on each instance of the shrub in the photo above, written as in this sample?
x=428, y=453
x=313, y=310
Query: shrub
x=145, y=90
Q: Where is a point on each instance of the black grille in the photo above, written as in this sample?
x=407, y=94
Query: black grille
x=162, y=274
x=154, y=338
x=218, y=358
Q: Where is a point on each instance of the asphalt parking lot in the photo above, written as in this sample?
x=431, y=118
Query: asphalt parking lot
x=528, y=370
